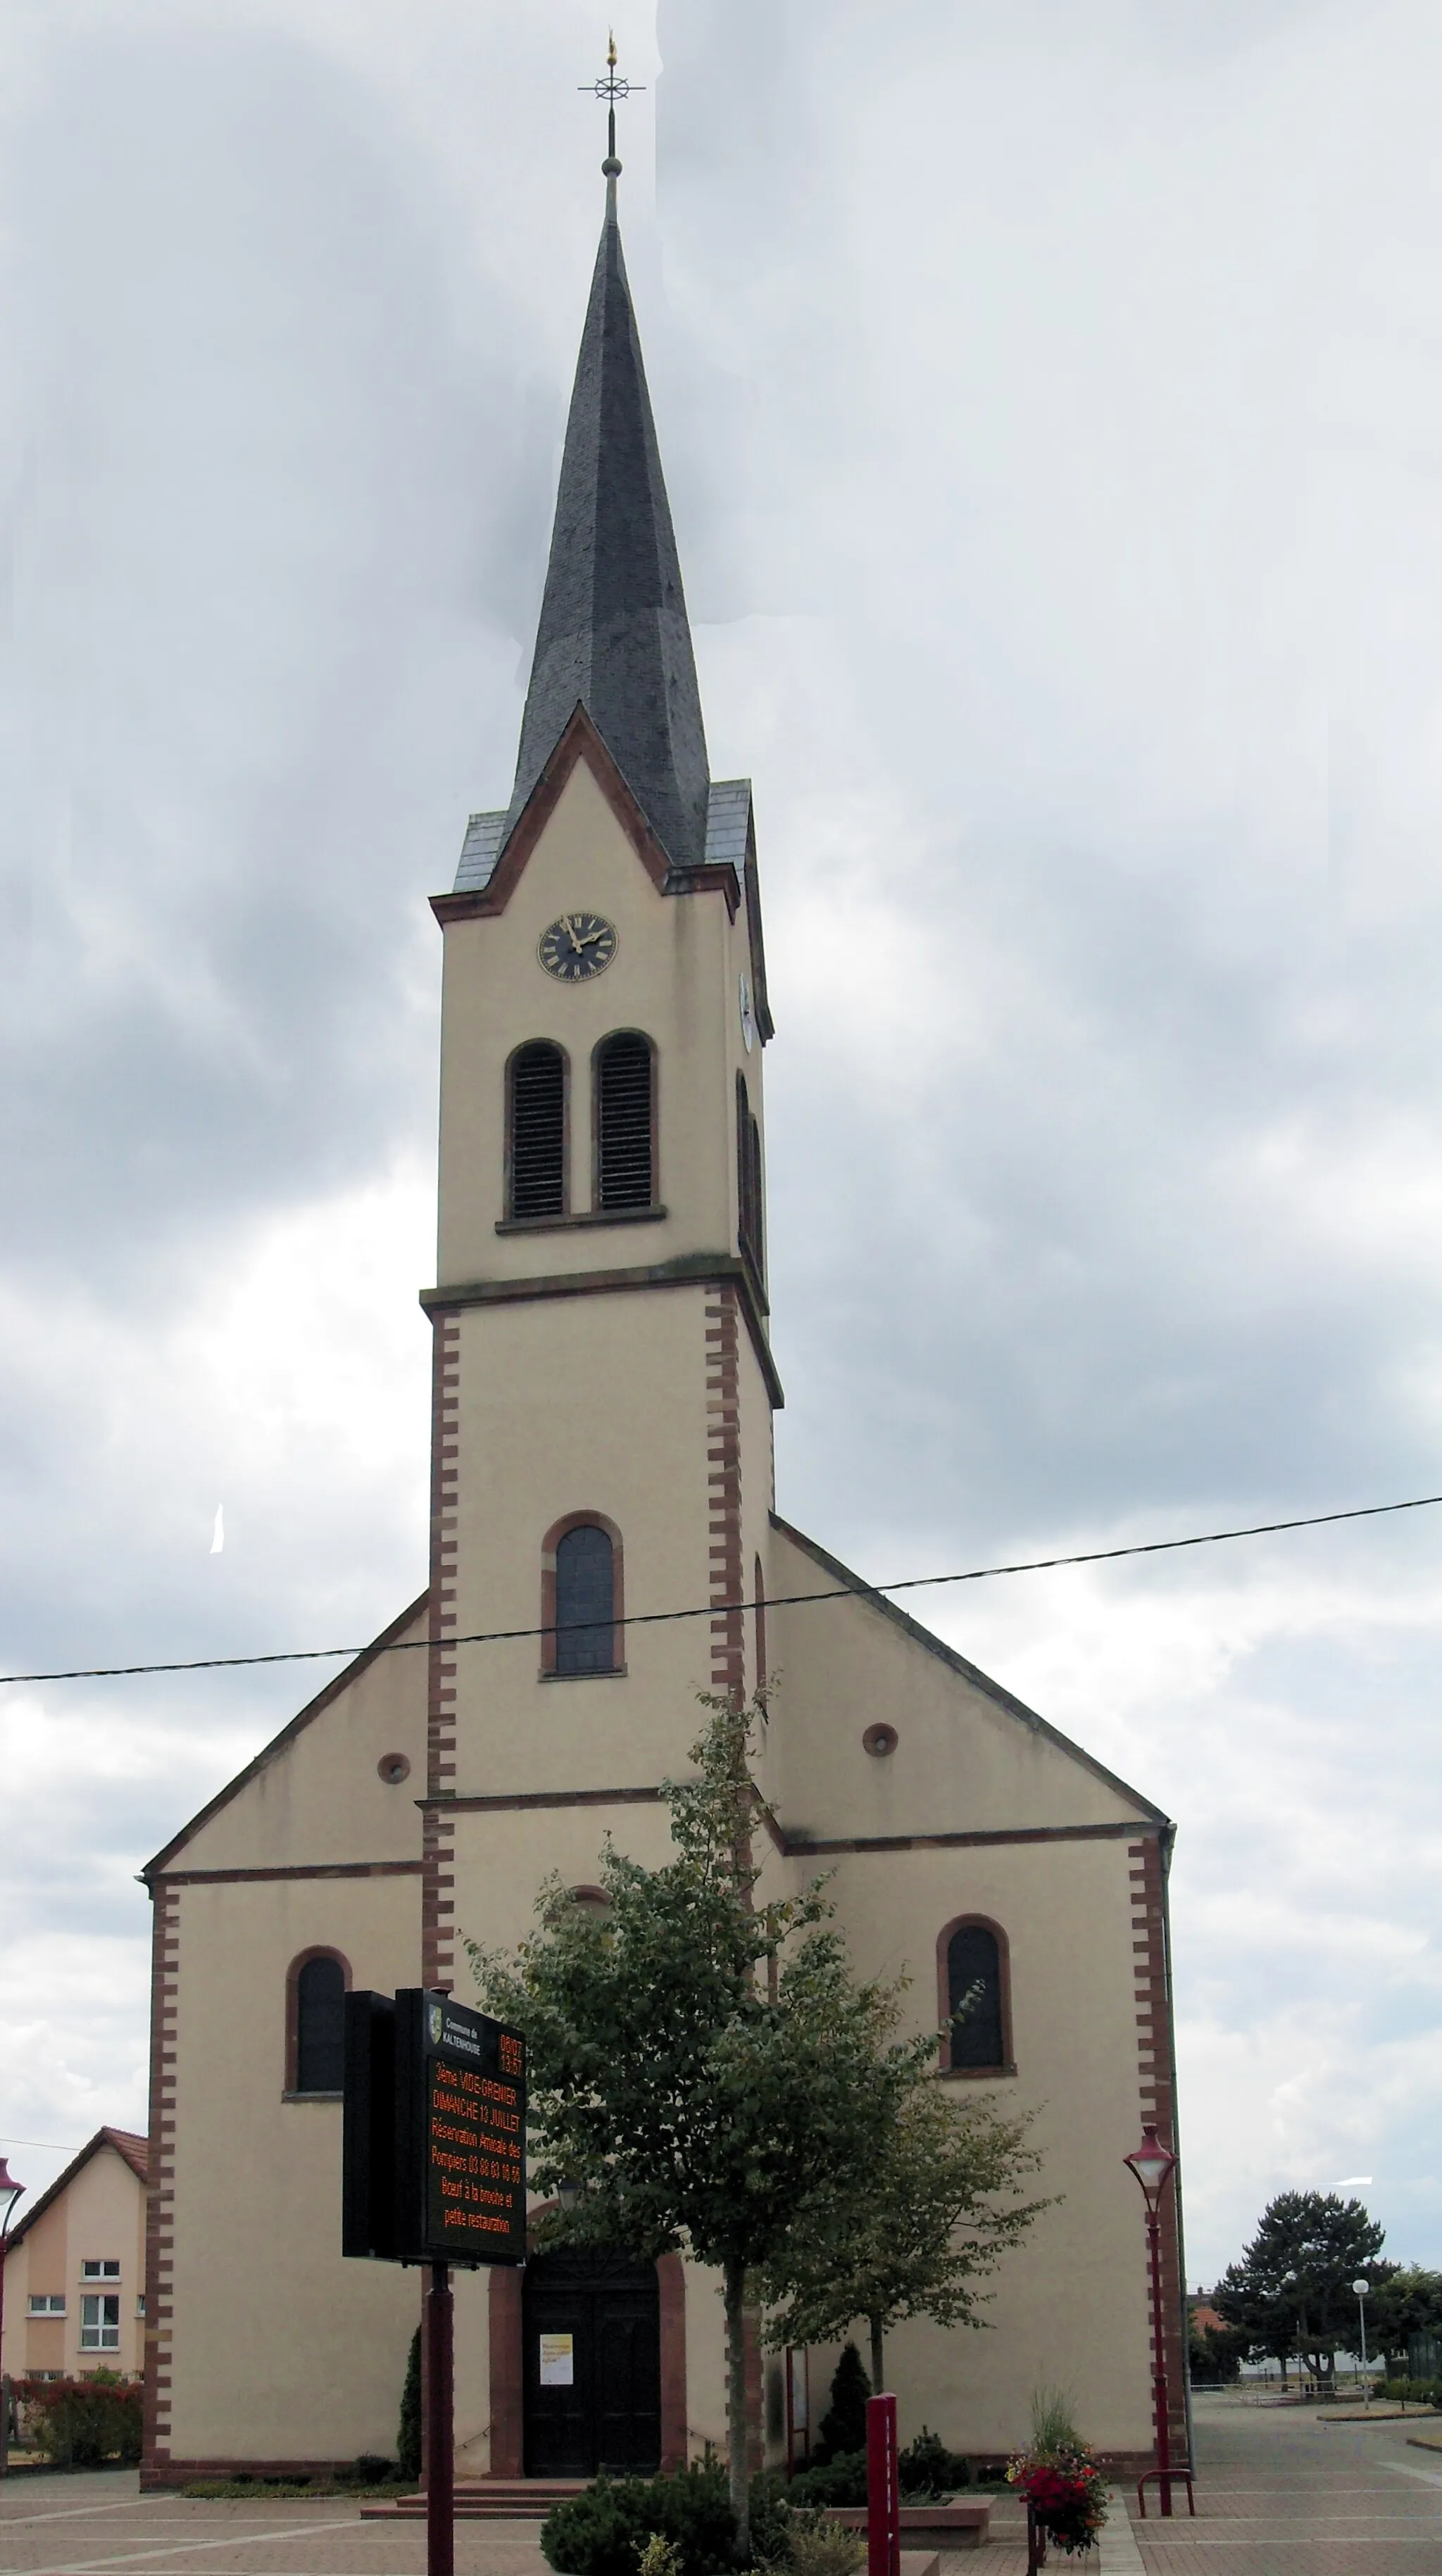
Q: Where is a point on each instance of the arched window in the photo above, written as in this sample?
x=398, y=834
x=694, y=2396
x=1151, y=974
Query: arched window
x=581, y=1610
x=750, y=1221
x=536, y=1131
x=975, y=2000
x=315, y=2022
x=625, y=1122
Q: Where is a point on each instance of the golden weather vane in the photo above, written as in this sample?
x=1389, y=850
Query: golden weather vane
x=610, y=87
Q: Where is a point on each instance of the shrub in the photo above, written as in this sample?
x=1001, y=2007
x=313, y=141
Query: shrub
x=818, y=2548
x=80, y=2422
x=602, y=2531
x=1412, y=2392
x=843, y=2426
x=838, y=2481
x=659, y=2557
x=927, y=2467
x=772, y=2519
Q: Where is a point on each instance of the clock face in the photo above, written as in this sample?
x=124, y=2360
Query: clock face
x=577, y=946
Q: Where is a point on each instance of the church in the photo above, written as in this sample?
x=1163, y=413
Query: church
x=601, y=1449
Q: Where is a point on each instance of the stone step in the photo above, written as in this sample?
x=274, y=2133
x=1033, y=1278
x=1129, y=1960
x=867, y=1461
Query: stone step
x=486, y=2500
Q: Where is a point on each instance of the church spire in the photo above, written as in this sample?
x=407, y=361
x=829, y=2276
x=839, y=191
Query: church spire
x=613, y=631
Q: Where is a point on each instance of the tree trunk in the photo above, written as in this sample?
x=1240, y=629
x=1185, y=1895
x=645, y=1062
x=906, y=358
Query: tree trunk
x=735, y=2293
x=877, y=2380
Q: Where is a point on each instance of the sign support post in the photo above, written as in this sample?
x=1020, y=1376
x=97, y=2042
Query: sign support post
x=433, y=2171
x=440, y=2462
x=883, y=2493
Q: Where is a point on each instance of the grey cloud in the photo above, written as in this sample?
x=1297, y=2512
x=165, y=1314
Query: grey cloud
x=1050, y=416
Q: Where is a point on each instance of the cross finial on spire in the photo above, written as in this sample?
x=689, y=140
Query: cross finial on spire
x=610, y=88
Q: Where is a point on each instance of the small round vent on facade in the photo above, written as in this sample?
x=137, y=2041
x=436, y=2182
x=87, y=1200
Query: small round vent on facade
x=393, y=1769
x=880, y=1739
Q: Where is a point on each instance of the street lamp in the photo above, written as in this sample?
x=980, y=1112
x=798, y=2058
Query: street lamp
x=1359, y=2292
x=1154, y=2165
x=10, y=2191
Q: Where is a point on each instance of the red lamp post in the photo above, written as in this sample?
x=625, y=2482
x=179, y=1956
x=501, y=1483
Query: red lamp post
x=1154, y=2165
x=10, y=2191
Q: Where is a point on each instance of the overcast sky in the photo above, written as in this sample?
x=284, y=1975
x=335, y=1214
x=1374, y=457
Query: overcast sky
x=1051, y=402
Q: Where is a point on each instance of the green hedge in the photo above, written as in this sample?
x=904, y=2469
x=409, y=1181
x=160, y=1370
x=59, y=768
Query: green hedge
x=1412, y=2392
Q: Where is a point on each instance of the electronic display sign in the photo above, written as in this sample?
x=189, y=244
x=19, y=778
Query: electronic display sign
x=448, y=2182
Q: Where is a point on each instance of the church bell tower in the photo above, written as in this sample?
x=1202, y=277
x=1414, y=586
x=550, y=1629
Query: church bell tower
x=603, y=1384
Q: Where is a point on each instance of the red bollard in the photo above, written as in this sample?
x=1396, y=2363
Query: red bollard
x=883, y=2494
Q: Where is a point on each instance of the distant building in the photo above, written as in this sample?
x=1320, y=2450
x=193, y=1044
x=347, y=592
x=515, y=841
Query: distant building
x=75, y=2267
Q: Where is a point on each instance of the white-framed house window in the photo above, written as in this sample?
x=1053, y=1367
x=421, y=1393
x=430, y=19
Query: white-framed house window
x=100, y=2323
x=140, y=2305
x=100, y=2271
x=47, y=2303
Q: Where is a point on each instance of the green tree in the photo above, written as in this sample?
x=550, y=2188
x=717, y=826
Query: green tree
x=912, y=2233
x=1292, y=2290
x=703, y=2067
x=1214, y=2354
x=1405, y=2303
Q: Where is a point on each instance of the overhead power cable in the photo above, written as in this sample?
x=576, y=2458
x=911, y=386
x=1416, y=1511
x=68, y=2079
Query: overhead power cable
x=718, y=1609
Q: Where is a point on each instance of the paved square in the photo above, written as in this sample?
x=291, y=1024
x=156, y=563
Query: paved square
x=1278, y=2494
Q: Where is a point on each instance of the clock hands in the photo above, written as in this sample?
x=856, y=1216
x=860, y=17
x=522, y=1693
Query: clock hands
x=562, y=948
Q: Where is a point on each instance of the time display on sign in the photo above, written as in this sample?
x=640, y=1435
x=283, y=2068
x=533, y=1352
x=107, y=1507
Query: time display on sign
x=475, y=2129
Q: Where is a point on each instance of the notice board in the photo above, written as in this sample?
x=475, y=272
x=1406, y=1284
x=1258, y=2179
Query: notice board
x=435, y=2131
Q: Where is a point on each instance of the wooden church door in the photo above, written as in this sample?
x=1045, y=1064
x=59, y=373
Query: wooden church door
x=592, y=2329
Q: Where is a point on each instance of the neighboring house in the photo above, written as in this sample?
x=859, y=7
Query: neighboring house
x=603, y=1397
x=75, y=2267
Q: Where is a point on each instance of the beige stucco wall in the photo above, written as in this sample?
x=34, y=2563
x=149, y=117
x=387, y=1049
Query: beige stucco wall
x=319, y=1798
x=1070, y=2308
x=593, y=1403
x=964, y=1762
x=675, y=975
x=99, y=2216
x=281, y=2348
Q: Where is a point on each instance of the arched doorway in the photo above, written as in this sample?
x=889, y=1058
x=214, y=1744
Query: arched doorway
x=591, y=2324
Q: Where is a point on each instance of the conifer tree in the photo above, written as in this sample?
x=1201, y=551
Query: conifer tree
x=843, y=2426
x=408, y=2436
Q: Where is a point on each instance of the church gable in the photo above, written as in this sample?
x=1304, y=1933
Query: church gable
x=967, y=1756
x=330, y=1788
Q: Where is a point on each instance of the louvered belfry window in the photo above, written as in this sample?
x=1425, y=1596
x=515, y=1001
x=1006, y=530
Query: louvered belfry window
x=624, y=1150
x=750, y=1221
x=585, y=1601
x=538, y=1131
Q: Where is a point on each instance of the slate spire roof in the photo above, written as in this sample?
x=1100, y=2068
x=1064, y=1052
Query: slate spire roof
x=613, y=630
